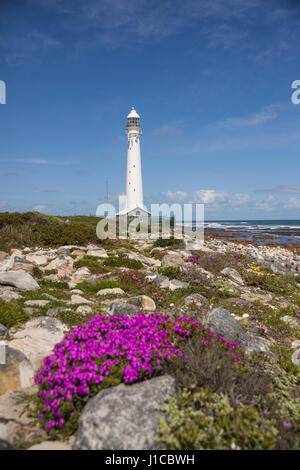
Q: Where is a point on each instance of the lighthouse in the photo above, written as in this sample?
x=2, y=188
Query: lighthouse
x=134, y=186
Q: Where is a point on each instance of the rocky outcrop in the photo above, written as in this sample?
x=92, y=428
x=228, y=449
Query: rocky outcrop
x=18, y=279
x=224, y=324
x=125, y=417
x=233, y=275
x=122, y=308
x=143, y=301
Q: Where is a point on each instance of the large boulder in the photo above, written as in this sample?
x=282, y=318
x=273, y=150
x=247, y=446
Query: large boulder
x=17, y=426
x=111, y=291
x=196, y=300
x=176, y=284
x=122, y=308
x=97, y=253
x=15, y=370
x=143, y=301
x=173, y=259
x=18, y=279
x=224, y=324
x=3, y=331
x=233, y=275
x=5, y=445
x=78, y=300
x=296, y=357
x=38, y=338
x=162, y=281
x=38, y=260
x=8, y=293
x=125, y=417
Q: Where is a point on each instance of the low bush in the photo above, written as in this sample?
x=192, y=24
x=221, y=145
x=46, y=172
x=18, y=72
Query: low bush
x=171, y=272
x=122, y=261
x=11, y=314
x=92, y=263
x=165, y=242
x=93, y=288
x=206, y=421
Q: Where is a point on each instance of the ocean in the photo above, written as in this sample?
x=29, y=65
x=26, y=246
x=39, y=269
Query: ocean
x=257, y=231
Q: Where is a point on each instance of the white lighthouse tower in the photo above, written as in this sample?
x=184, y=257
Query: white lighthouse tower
x=134, y=186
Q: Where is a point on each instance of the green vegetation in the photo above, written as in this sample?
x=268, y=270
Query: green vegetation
x=122, y=261
x=171, y=272
x=279, y=284
x=166, y=242
x=11, y=314
x=92, y=288
x=32, y=228
x=205, y=420
x=92, y=263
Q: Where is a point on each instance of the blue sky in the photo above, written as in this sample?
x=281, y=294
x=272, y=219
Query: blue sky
x=211, y=80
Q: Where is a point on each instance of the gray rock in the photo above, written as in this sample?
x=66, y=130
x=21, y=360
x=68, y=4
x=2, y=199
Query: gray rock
x=8, y=293
x=84, y=309
x=122, y=308
x=142, y=301
x=111, y=291
x=52, y=312
x=3, y=255
x=196, y=300
x=295, y=322
x=78, y=299
x=233, y=275
x=224, y=324
x=3, y=331
x=22, y=264
x=50, y=445
x=174, y=260
x=125, y=417
x=17, y=425
x=18, y=279
x=296, y=357
x=158, y=279
x=175, y=284
x=5, y=445
x=36, y=303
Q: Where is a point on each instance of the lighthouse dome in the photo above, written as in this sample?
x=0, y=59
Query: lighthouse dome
x=133, y=114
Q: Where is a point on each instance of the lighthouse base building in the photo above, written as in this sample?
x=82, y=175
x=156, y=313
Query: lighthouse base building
x=134, y=206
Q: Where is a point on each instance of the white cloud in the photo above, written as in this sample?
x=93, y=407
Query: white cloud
x=251, y=120
x=284, y=188
x=268, y=204
x=39, y=208
x=178, y=196
x=213, y=198
x=292, y=203
x=210, y=197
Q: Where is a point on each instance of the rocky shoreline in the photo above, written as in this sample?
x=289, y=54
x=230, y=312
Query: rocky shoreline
x=247, y=294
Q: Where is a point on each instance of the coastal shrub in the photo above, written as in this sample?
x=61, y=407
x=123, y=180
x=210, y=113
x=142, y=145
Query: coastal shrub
x=225, y=289
x=93, y=288
x=216, y=262
x=279, y=284
x=205, y=420
x=165, y=242
x=92, y=263
x=32, y=228
x=171, y=271
x=105, y=351
x=11, y=314
x=122, y=261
